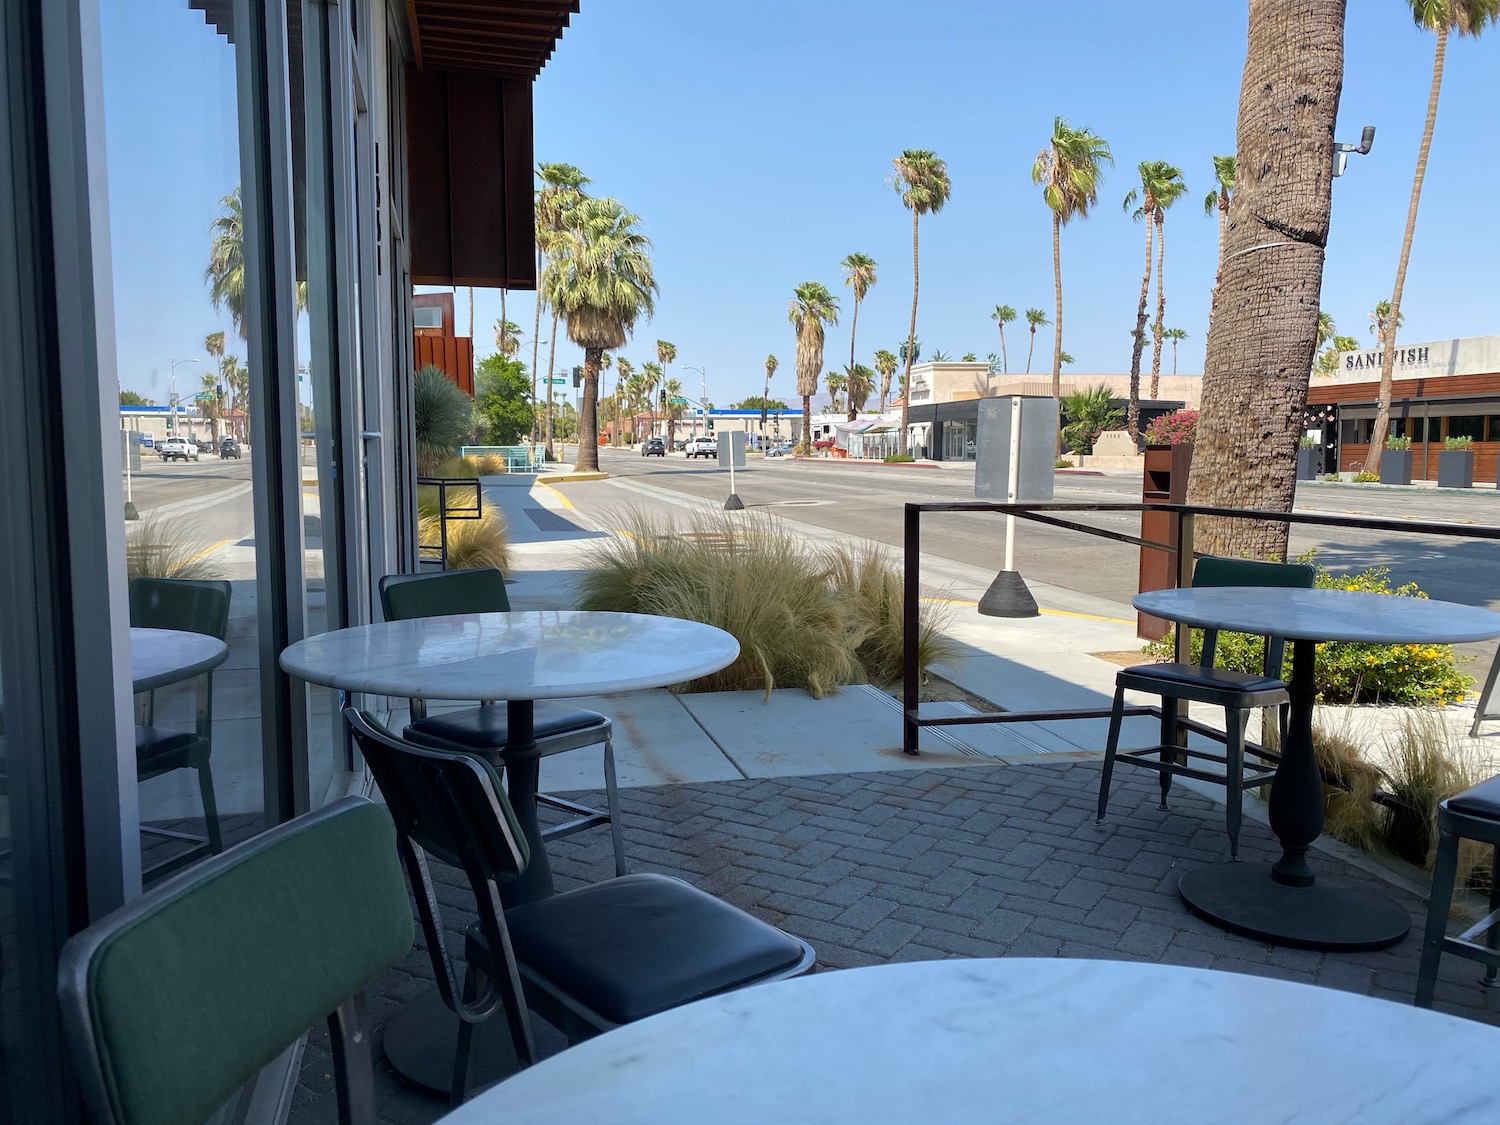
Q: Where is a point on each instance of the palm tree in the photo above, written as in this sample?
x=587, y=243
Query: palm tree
x=1002, y=316
x=1064, y=357
x=1462, y=17
x=859, y=273
x=599, y=279
x=1326, y=327
x=921, y=179
x=1036, y=318
x=652, y=373
x=1245, y=451
x=859, y=381
x=1380, y=316
x=772, y=363
x=939, y=356
x=1328, y=361
x=507, y=337
x=635, y=398
x=225, y=273
x=810, y=308
x=561, y=187
x=1158, y=179
x=885, y=363
x=624, y=369
x=835, y=382
x=209, y=385
x=1068, y=170
x=1166, y=194
x=1173, y=334
x=213, y=344
x=666, y=354
x=1089, y=412
x=673, y=387
x=1218, y=200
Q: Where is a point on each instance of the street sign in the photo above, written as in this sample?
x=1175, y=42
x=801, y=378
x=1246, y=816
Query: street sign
x=205, y=396
x=676, y=401
x=557, y=380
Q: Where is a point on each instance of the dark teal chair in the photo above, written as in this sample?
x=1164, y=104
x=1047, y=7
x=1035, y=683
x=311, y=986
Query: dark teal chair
x=1238, y=693
x=485, y=729
x=176, y=1000
x=586, y=960
x=190, y=606
x=1471, y=815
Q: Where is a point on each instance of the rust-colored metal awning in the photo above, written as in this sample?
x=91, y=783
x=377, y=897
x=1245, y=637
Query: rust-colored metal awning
x=469, y=144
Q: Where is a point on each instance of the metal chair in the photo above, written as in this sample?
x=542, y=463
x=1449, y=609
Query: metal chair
x=1472, y=815
x=1237, y=692
x=190, y=606
x=177, y=999
x=586, y=960
x=484, y=729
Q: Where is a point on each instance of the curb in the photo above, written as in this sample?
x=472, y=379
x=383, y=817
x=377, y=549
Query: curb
x=569, y=478
x=860, y=463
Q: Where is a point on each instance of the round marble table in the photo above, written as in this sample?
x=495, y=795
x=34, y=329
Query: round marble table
x=1284, y=902
x=1017, y=1040
x=520, y=657
x=164, y=656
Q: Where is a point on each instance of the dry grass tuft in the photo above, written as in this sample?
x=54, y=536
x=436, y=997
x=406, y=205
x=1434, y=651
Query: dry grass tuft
x=490, y=464
x=471, y=543
x=1350, y=784
x=165, y=547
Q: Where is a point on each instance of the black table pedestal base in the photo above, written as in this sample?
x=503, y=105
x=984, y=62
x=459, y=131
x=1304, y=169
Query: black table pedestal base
x=421, y=1042
x=1333, y=913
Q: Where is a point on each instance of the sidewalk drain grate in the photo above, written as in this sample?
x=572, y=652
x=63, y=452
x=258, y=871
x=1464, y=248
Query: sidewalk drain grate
x=548, y=520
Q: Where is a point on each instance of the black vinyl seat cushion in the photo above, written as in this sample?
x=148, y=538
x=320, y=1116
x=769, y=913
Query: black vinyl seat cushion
x=640, y=944
x=1195, y=675
x=1482, y=800
x=486, y=728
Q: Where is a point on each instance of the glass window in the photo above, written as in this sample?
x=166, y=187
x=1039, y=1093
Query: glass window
x=1466, y=425
x=1354, y=431
x=427, y=316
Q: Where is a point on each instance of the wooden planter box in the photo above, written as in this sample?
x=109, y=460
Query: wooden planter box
x=1395, y=466
x=1164, y=479
x=1307, y=463
x=1456, y=468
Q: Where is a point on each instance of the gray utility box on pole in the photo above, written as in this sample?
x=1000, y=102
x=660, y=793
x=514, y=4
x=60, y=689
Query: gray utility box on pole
x=1015, y=457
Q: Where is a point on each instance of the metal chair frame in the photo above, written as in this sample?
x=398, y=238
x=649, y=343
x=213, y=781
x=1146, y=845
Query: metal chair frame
x=1454, y=825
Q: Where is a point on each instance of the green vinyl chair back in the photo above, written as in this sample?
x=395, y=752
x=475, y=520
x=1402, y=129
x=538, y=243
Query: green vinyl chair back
x=177, y=999
x=407, y=596
x=1214, y=571
x=190, y=605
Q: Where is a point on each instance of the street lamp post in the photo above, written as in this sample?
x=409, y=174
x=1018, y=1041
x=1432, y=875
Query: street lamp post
x=702, y=396
x=173, y=420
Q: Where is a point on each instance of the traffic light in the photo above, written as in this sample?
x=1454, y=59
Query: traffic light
x=710, y=425
x=664, y=396
x=577, y=377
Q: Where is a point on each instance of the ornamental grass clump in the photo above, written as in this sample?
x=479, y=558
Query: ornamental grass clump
x=1345, y=672
x=803, y=618
x=165, y=547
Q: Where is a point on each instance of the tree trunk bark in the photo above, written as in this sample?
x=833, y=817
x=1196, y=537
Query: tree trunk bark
x=911, y=341
x=1138, y=344
x=807, y=425
x=1057, y=325
x=1030, y=348
x=551, y=358
x=853, y=327
x=536, y=343
x=1213, y=303
x=1161, y=303
x=1388, y=334
x=1261, y=344
x=588, y=414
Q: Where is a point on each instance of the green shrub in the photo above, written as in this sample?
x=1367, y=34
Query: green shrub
x=1398, y=443
x=1305, y=442
x=1458, y=443
x=1333, y=478
x=808, y=619
x=1062, y=463
x=1364, y=477
x=896, y=458
x=1351, y=673
x=443, y=416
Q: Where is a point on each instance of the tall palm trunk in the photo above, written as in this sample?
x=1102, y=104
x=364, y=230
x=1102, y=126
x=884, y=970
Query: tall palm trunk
x=1388, y=332
x=1030, y=348
x=1004, y=363
x=1260, y=351
x=1057, y=329
x=588, y=413
x=1213, y=303
x=911, y=339
x=471, y=313
x=536, y=342
x=616, y=438
x=1138, y=344
x=551, y=358
x=807, y=425
x=1161, y=303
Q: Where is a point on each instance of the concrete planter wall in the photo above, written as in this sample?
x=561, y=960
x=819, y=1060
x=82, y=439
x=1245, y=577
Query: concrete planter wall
x=1456, y=468
x=1395, y=466
x=1307, y=463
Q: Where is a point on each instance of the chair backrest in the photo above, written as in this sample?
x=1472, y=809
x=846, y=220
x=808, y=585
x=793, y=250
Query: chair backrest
x=175, y=1000
x=192, y=605
x=1214, y=571
x=451, y=805
x=405, y=596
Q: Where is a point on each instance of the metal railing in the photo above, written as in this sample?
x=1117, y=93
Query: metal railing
x=1183, y=517
x=429, y=554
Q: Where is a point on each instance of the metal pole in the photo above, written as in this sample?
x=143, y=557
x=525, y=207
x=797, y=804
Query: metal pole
x=910, y=671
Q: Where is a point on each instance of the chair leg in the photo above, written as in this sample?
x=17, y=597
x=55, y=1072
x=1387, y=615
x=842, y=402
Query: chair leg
x=1111, y=748
x=612, y=806
x=1168, y=746
x=210, y=808
x=1492, y=935
x=353, y=1069
x=468, y=1034
x=1444, y=867
x=1235, y=722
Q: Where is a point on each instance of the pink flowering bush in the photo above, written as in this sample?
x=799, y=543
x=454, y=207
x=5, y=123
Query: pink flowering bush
x=1178, y=428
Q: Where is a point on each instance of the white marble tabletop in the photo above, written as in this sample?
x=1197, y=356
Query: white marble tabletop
x=1322, y=615
x=548, y=654
x=1047, y=1042
x=163, y=656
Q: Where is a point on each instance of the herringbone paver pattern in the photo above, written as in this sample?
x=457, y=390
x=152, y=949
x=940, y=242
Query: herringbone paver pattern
x=973, y=862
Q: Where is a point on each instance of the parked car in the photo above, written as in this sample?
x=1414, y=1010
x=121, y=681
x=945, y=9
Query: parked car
x=679, y=444
x=228, y=447
x=653, y=447
x=177, y=449
x=780, y=449
x=203, y=446
x=703, y=447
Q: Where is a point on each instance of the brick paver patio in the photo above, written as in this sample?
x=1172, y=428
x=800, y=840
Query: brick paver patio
x=974, y=862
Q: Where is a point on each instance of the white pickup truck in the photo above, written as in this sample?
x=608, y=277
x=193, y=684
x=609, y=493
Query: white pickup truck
x=177, y=449
x=703, y=447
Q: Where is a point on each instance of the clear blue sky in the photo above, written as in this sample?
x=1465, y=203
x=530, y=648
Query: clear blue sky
x=755, y=143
